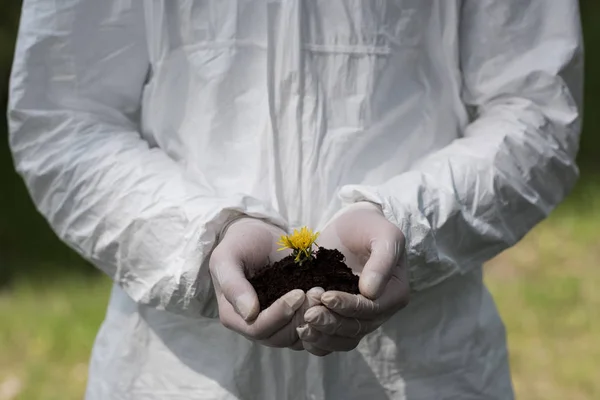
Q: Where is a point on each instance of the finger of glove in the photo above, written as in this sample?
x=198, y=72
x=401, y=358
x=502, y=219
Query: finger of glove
x=384, y=257
x=331, y=343
x=351, y=305
x=230, y=281
x=330, y=323
x=395, y=297
x=321, y=316
x=285, y=337
x=313, y=298
x=269, y=321
x=307, y=334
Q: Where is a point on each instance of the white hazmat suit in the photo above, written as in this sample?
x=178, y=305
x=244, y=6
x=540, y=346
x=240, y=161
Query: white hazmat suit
x=142, y=128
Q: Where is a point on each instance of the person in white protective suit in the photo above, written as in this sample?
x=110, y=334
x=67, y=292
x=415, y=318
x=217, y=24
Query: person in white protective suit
x=171, y=143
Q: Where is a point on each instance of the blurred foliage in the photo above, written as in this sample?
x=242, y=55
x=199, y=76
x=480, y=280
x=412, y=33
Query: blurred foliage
x=589, y=154
x=9, y=20
x=546, y=289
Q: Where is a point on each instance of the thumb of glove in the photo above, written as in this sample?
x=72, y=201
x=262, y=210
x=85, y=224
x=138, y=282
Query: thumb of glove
x=231, y=281
x=378, y=268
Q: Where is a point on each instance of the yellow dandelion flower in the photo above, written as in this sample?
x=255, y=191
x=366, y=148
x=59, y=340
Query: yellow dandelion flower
x=300, y=242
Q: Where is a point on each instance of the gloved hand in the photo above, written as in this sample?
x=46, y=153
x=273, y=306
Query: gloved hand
x=251, y=243
x=374, y=248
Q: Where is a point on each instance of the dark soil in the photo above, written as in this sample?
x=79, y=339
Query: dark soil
x=327, y=270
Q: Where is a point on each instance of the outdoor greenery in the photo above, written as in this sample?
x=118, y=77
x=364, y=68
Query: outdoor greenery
x=52, y=303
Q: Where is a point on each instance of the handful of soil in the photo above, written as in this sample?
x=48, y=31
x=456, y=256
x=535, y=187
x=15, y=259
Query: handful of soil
x=326, y=269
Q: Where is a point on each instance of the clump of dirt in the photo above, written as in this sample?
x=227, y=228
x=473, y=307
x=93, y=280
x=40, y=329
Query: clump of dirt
x=326, y=270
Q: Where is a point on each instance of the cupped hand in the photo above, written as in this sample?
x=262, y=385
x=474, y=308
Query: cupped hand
x=374, y=248
x=248, y=245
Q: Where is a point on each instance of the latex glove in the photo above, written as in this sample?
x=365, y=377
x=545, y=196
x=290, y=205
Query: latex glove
x=313, y=298
x=374, y=248
x=251, y=244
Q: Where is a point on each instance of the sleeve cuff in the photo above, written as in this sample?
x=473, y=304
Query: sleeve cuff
x=168, y=264
x=426, y=266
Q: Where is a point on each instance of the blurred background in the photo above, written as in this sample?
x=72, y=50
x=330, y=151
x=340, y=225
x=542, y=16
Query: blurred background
x=547, y=287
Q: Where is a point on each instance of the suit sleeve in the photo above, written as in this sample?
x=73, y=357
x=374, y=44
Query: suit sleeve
x=75, y=96
x=522, y=70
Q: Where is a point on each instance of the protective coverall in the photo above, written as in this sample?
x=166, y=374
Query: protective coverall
x=142, y=128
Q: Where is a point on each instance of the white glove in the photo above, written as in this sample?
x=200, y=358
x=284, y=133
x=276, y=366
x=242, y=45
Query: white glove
x=374, y=248
x=251, y=244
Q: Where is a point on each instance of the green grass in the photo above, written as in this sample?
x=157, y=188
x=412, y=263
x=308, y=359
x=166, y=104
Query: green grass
x=546, y=288
x=46, y=336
